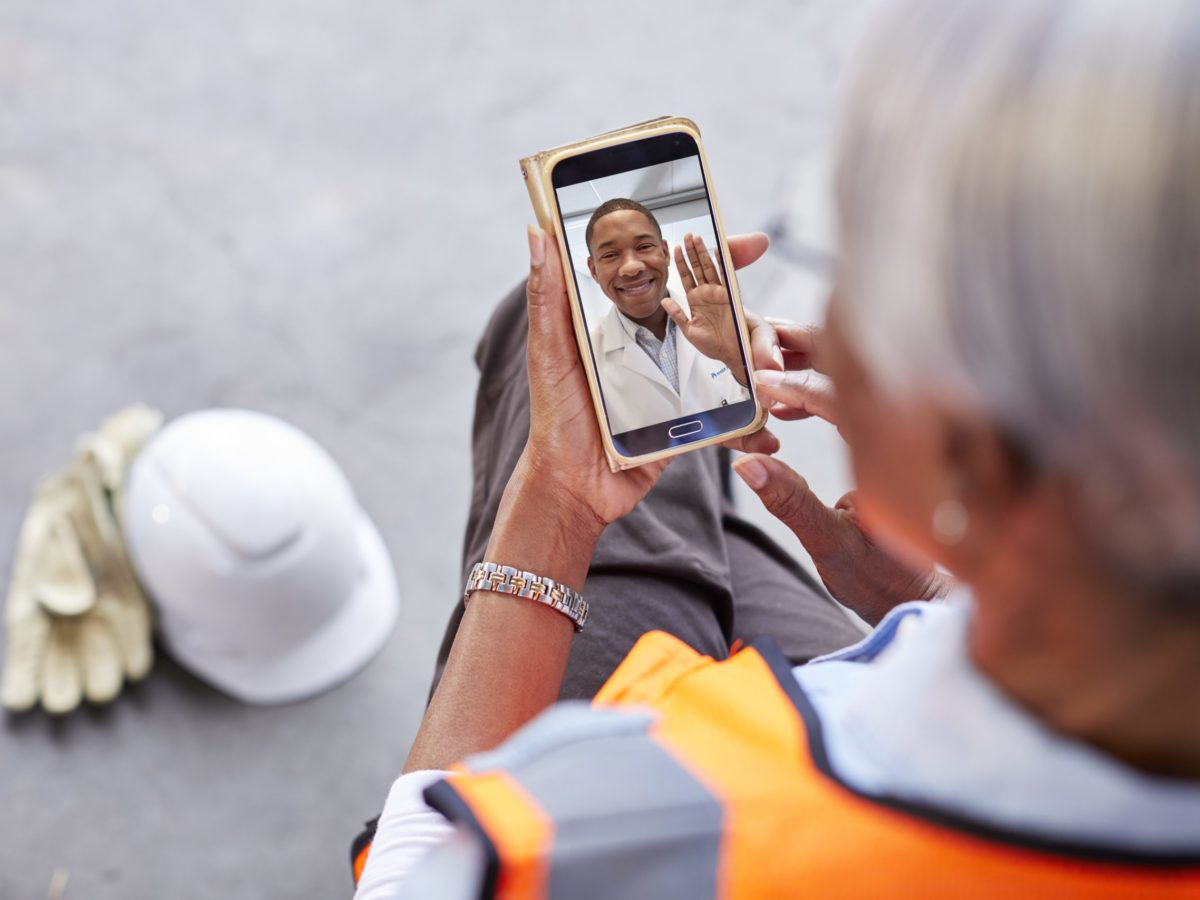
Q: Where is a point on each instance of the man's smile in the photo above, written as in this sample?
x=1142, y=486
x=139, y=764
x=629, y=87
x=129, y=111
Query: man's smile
x=639, y=288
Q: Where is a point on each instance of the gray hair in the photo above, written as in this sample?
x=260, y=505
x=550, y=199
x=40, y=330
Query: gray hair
x=1019, y=198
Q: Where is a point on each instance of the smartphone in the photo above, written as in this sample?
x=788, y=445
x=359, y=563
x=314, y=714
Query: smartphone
x=658, y=319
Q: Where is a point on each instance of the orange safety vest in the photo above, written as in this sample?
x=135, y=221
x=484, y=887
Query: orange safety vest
x=725, y=791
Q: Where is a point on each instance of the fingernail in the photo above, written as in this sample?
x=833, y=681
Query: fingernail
x=777, y=355
x=768, y=378
x=537, y=248
x=751, y=471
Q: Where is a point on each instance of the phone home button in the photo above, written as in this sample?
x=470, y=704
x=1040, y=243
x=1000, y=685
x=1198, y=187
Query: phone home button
x=685, y=429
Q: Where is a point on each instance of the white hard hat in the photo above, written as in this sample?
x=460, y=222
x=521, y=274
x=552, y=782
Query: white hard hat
x=270, y=581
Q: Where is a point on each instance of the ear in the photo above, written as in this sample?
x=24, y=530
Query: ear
x=990, y=474
x=592, y=268
x=666, y=250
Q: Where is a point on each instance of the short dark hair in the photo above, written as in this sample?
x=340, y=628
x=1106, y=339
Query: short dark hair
x=616, y=205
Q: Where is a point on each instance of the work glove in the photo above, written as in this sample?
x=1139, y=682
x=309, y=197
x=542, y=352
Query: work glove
x=77, y=623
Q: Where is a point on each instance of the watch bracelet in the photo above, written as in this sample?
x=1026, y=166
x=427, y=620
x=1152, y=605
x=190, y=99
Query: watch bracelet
x=489, y=576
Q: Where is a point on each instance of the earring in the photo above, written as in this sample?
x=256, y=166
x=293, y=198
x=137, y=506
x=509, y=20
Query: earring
x=949, y=522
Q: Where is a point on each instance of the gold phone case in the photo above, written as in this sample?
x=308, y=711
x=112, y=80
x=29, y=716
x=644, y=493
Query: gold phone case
x=537, y=170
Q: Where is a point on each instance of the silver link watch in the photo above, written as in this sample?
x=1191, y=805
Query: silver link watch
x=488, y=576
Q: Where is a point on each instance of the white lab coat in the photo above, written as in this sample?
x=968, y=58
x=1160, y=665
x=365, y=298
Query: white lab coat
x=637, y=394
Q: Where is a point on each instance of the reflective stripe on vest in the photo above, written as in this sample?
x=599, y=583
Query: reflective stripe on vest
x=723, y=790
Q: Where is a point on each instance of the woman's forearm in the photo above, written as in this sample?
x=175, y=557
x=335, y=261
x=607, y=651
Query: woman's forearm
x=510, y=653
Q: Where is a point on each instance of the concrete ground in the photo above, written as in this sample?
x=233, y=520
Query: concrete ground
x=308, y=208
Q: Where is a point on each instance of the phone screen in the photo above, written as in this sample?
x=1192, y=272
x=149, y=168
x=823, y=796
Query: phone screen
x=644, y=253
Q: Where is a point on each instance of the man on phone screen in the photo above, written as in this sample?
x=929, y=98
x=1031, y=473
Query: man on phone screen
x=654, y=360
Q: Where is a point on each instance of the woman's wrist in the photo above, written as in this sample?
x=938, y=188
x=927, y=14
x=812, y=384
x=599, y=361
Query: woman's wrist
x=510, y=653
x=542, y=528
x=737, y=370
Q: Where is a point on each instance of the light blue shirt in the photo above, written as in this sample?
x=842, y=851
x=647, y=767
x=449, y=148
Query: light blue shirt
x=907, y=715
x=662, y=353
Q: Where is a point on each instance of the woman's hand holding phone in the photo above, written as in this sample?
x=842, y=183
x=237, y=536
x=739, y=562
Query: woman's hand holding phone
x=565, y=452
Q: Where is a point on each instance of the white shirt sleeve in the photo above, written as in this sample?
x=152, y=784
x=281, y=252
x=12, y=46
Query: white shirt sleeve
x=415, y=848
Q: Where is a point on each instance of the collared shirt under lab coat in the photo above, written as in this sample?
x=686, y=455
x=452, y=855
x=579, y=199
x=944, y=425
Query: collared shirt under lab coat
x=637, y=394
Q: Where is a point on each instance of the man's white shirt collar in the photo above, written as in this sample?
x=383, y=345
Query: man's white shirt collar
x=624, y=334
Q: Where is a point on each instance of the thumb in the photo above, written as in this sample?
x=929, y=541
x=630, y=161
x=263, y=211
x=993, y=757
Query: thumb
x=675, y=311
x=787, y=496
x=549, y=317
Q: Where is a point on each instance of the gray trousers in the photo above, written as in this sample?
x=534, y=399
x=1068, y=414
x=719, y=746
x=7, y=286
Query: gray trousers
x=683, y=561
